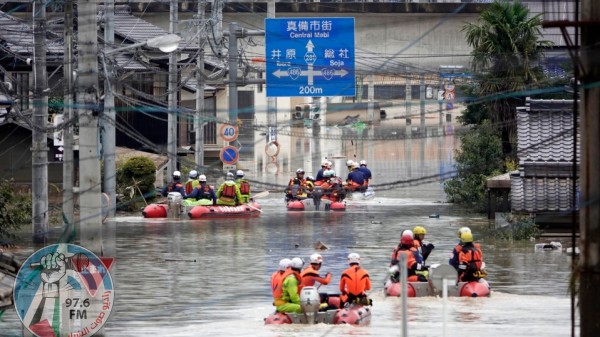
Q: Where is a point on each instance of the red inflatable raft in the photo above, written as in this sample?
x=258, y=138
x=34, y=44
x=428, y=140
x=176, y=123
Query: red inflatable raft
x=155, y=211
x=310, y=300
x=419, y=289
x=251, y=209
x=309, y=204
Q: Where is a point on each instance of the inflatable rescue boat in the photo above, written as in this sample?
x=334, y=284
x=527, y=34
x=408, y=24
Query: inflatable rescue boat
x=434, y=287
x=310, y=302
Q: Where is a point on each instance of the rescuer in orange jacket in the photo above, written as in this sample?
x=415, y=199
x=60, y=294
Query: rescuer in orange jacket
x=277, y=276
x=310, y=274
x=414, y=260
x=470, y=260
x=355, y=282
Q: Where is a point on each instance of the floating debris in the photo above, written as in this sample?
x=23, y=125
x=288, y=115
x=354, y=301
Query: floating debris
x=569, y=251
x=376, y=222
x=548, y=246
x=434, y=215
x=320, y=245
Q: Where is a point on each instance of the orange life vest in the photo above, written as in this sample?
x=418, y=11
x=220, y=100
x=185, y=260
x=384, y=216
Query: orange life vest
x=228, y=191
x=310, y=276
x=410, y=257
x=277, y=284
x=355, y=281
x=188, y=187
x=472, y=257
x=244, y=187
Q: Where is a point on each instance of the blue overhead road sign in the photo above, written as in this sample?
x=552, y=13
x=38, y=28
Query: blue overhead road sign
x=310, y=57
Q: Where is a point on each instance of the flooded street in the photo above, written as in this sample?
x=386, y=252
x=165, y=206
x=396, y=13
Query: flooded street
x=211, y=277
x=225, y=292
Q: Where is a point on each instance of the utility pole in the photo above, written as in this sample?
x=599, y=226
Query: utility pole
x=39, y=145
x=68, y=115
x=233, y=67
x=200, y=113
x=234, y=33
x=272, y=101
x=90, y=202
x=110, y=116
x=589, y=272
x=172, y=87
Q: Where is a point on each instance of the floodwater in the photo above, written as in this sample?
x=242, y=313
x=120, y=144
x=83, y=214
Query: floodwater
x=211, y=277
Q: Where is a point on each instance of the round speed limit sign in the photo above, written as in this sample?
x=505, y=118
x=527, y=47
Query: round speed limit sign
x=63, y=290
x=229, y=132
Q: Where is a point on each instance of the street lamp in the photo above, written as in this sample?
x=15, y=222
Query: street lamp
x=165, y=43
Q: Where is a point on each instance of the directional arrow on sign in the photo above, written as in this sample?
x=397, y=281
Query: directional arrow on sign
x=341, y=73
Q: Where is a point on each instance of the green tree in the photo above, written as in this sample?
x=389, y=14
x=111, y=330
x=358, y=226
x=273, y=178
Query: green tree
x=479, y=157
x=15, y=209
x=506, y=51
x=136, y=172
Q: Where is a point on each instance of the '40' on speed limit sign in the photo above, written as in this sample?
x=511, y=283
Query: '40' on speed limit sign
x=229, y=132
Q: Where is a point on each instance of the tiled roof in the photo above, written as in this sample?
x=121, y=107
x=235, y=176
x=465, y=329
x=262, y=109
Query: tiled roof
x=540, y=194
x=545, y=131
x=544, y=181
x=18, y=36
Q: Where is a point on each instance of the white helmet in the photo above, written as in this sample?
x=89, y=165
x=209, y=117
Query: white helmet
x=363, y=162
x=408, y=232
x=329, y=164
x=284, y=264
x=239, y=173
x=349, y=162
x=193, y=174
x=202, y=178
x=353, y=258
x=176, y=174
x=316, y=258
x=297, y=263
x=300, y=170
x=324, y=163
x=354, y=165
x=229, y=175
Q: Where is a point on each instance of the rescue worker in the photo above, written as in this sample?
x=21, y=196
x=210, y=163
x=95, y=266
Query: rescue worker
x=296, y=189
x=244, y=186
x=332, y=188
x=320, y=172
x=363, y=168
x=203, y=191
x=228, y=193
x=356, y=179
x=174, y=186
x=414, y=260
x=310, y=274
x=423, y=248
x=470, y=260
x=192, y=182
x=349, y=165
x=287, y=298
x=454, y=255
x=277, y=277
x=355, y=282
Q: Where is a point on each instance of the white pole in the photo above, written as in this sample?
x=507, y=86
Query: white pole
x=404, y=294
x=444, y=304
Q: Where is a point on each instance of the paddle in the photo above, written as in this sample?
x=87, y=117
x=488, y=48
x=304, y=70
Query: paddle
x=260, y=195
